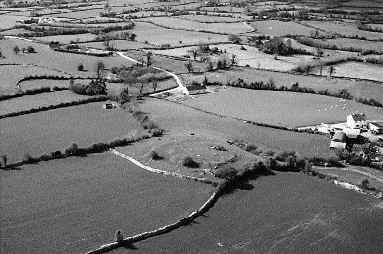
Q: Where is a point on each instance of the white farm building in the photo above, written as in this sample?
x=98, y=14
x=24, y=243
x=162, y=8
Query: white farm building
x=357, y=121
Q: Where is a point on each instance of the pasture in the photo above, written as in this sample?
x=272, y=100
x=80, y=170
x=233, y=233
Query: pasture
x=64, y=62
x=66, y=39
x=287, y=109
x=39, y=83
x=9, y=20
x=364, y=89
x=77, y=204
x=80, y=14
x=280, y=28
x=181, y=120
x=38, y=100
x=359, y=70
x=158, y=35
x=352, y=43
x=210, y=18
x=284, y=213
x=11, y=74
x=176, y=23
x=58, y=129
x=344, y=28
x=119, y=44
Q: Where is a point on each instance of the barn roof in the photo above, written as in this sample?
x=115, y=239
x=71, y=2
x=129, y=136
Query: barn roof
x=378, y=124
x=339, y=136
x=358, y=117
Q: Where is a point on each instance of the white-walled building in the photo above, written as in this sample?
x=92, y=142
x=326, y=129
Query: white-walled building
x=357, y=121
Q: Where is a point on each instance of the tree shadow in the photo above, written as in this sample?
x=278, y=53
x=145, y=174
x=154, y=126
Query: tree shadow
x=128, y=245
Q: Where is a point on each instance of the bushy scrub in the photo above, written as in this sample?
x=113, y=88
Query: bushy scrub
x=226, y=172
x=189, y=162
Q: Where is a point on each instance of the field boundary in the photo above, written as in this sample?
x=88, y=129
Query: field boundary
x=159, y=171
x=126, y=242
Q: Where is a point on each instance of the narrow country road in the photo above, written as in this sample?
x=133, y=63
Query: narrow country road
x=181, y=88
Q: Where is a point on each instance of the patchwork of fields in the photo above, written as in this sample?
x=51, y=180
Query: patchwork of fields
x=76, y=204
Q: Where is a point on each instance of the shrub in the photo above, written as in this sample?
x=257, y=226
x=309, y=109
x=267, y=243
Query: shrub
x=271, y=163
x=153, y=154
x=29, y=159
x=30, y=49
x=226, y=172
x=80, y=67
x=364, y=184
x=250, y=147
x=189, y=162
x=73, y=150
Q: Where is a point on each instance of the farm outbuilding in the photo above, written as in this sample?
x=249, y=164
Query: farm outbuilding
x=356, y=120
x=338, y=140
x=376, y=127
x=108, y=106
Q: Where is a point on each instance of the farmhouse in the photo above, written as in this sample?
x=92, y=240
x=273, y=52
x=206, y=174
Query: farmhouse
x=376, y=127
x=339, y=140
x=197, y=89
x=355, y=121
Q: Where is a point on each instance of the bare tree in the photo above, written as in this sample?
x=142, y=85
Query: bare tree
x=149, y=58
x=194, y=52
x=331, y=70
x=154, y=86
x=99, y=69
x=189, y=66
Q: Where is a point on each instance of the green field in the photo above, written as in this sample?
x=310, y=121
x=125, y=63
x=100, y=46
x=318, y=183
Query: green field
x=352, y=43
x=66, y=39
x=58, y=129
x=364, y=89
x=359, y=70
x=158, y=35
x=11, y=74
x=280, y=28
x=39, y=100
x=344, y=28
x=64, y=62
x=280, y=108
x=76, y=204
x=285, y=213
x=233, y=28
x=178, y=119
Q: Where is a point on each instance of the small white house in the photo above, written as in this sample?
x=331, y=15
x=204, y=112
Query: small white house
x=356, y=121
x=376, y=127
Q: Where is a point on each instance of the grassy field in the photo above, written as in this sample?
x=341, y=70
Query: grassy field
x=355, y=175
x=205, y=18
x=11, y=74
x=359, y=70
x=66, y=39
x=280, y=108
x=176, y=23
x=38, y=83
x=178, y=119
x=158, y=35
x=74, y=205
x=285, y=213
x=280, y=28
x=80, y=14
x=364, y=89
x=38, y=100
x=119, y=44
x=9, y=20
x=357, y=44
x=344, y=28
x=57, y=129
x=65, y=62
x=249, y=56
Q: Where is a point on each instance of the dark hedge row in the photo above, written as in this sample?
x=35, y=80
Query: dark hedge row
x=61, y=105
x=32, y=92
x=51, y=77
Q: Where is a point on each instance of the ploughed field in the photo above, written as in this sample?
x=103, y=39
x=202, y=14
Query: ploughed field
x=76, y=204
x=57, y=129
x=178, y=119
x=283, y=213
x=281, y=108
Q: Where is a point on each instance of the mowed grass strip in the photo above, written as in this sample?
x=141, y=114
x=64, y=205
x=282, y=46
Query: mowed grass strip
x=284, y=213
x=178, y=119
x=281, y=108
x=76, y=204
x=58, y=129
